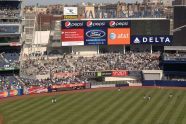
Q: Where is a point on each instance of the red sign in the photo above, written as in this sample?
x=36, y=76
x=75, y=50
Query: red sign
x=119, y=73
x=37, y=89
x=3, y=94
x=72, y=37
x=13, y=93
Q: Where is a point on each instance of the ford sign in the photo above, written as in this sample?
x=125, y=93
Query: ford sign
x=95, y=34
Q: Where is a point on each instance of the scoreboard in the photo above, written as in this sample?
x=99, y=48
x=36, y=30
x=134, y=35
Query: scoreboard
x=179, y=20
x=150, y=27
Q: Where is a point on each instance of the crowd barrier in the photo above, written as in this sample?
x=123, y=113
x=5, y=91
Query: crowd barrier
x=11, y=93
x=164, y=83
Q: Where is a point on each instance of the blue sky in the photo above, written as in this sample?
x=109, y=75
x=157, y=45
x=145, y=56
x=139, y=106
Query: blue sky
x=44, y=2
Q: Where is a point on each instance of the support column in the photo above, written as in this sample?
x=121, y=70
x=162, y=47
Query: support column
x=151, y=48
x=124, y=50
x=97, y=49
x=72, y=50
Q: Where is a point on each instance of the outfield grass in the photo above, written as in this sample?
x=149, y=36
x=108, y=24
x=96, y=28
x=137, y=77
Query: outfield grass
x=101, y=107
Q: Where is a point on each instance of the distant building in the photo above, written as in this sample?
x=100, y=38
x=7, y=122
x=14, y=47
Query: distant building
x=47, y=21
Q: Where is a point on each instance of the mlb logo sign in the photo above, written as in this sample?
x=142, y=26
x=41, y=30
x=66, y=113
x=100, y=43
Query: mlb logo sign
x=70, y=11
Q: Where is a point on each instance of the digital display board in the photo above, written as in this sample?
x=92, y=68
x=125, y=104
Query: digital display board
x=115, y=32
x=179, y=20
x=150, y=27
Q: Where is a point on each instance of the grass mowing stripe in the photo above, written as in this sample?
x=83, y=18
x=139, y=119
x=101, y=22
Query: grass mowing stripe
x=80, y=106
x=46, y=102
x=26, y=113
x=9, y=104
x=167, y=108
x=102, y=107
x=181, y=112
x=72, y=103
x=124, y=107
x=85, y=110
x=139, y=106
x=43, y=113
x=154, y=111
x=173, y=108
x=147, y=107
x=114, y=106
x=154, y=115
x=94, y=106
x=13, y=111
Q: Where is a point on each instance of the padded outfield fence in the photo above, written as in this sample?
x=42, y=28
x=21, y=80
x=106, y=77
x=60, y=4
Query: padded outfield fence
x=56, y=88
x=163, y=83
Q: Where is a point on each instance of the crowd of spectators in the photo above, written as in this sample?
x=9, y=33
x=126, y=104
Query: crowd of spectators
x=9, y=11
x=9, y=82
x=9, y=60
x=73, y=64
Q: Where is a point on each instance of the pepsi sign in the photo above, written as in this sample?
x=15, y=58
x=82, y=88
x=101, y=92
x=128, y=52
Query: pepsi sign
x=165, y=39
x=95, y=36
x=90, y=24
x=72, y=24
x=119, y=23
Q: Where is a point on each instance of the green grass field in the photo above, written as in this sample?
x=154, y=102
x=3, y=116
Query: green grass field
x=100, y=107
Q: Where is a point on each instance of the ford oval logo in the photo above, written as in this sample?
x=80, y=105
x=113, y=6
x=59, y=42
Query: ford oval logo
x=95, y=34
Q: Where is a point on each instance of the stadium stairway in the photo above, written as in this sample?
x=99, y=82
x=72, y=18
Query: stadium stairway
x=17, y=77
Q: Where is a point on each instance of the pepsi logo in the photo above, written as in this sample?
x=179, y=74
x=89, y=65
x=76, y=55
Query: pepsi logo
x=67, y=24
x=73, y=24
x=112, y=23
x=89, y=24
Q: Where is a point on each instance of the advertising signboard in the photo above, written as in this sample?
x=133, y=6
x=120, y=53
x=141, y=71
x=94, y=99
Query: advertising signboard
x=118, y=36
x=95, y=36
x=72, y=24
x=96, y=24
x=91, y=74
x=71, y=37
x=3, y=94
x=119, y=73
x=70, y=11
x=119, y=24
x=164, y=39
x=36, y=89
x=70, y=17
x=96, y=32
x=13, y=92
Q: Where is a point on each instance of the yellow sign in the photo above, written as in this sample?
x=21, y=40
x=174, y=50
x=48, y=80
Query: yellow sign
x=70, y=17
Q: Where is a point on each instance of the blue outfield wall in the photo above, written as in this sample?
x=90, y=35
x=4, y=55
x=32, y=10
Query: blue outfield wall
x=164, y=83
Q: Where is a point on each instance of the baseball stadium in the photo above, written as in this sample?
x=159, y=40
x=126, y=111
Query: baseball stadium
x=60, y=66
